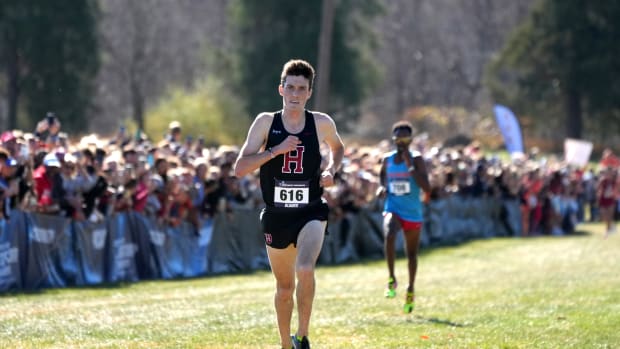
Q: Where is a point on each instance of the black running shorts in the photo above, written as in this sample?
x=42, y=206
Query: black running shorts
x=281, y=226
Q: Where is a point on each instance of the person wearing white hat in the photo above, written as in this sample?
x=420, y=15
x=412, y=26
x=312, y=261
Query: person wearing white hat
x=174, y=132
x=46, y=184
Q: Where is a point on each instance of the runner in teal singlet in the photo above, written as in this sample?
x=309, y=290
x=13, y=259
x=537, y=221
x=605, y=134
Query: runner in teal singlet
x=403, y=174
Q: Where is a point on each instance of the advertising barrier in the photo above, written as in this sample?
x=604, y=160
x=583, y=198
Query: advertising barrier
x=39, y=251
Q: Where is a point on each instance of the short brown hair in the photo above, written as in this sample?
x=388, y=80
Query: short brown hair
x=297, y=67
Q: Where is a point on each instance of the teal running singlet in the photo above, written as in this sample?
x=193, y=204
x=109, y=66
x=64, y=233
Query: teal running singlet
x=403, y=193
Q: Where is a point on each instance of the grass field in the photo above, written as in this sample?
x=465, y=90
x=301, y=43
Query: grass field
x=544, y=292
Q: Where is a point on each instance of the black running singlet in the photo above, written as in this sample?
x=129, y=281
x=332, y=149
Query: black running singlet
x=291, y=180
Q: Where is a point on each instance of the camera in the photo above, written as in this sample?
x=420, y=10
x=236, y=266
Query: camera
x=50, y=118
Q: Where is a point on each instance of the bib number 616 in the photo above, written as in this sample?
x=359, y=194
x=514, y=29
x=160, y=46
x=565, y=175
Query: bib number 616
x=292, y=195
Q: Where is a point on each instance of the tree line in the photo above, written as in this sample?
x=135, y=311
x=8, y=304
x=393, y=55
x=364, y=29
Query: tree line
x=92, y=61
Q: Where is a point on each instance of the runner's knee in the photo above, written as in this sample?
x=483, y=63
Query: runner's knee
x=305, y=270
x=285, y=290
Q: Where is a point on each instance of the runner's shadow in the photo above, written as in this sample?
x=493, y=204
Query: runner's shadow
x=434, y=320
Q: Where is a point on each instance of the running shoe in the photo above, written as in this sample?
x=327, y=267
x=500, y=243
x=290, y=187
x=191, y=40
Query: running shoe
x=409, y=303
x=390, y=290
x=300, y=342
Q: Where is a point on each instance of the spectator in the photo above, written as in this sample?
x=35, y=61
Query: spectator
x=180, y=207
x=9, y=142
x=156, y=188
x=607, y=193
x=8, y=186
x=130, y=156
x=201, y=168
x=161, y=169
x=609, y=160
x=47, y=181
x=589, y=190
x=174, y=134
x=123, y=200
x=143, y=190
x=236, y=193
x=47, y=129
x=75, y=181
x=215, y=191
x=91, y=160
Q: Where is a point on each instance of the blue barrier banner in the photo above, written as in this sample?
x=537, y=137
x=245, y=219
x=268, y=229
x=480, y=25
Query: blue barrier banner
x=173, y=255
x=199, y=262
x=41, y=251
x=237, y=243
x=163, y=246
x=194, y=255
x=92, y=241
x=13, y=251
x=123, y=250
x=51, y=258
x=170, y=252
x=145, y=260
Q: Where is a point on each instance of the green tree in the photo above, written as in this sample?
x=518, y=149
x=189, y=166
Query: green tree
x=562, y=63
x=207, y=110
x=49, y=53
x=273, y=31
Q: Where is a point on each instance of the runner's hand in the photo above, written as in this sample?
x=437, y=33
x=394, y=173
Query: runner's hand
x=327, y=179
x=290, y=143
x=381, y=192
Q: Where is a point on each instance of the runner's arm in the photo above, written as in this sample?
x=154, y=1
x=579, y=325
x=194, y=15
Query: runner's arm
x=420, y=174
x=331, y=137
x=250, y=156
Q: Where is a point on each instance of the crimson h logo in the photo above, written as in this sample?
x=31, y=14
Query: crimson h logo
x=297, y=159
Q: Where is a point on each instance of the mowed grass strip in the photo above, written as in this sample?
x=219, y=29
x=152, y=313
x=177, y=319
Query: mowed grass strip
x=543, y=292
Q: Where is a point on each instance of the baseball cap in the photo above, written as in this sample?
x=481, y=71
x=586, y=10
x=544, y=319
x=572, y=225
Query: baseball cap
x=50, y=160
x=7, y=136
x=200, y=161
x=174, y=124
x=70, y=158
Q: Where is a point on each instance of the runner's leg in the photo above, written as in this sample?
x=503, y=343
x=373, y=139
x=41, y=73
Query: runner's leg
x=282, y=263
x=309, y=245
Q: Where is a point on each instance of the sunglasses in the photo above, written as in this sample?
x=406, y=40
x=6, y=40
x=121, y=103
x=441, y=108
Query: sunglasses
x=401, y=140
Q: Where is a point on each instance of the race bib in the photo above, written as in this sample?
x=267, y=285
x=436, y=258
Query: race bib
x=400, y=187
x=291, y=193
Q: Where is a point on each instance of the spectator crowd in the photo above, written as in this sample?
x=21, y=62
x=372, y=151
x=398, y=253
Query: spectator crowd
x=182, y=179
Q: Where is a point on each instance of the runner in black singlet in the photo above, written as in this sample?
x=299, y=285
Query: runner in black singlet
x=290, y=185
x=285, y=145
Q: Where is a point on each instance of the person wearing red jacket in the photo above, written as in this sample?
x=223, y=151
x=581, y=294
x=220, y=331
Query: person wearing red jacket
x=46, y=181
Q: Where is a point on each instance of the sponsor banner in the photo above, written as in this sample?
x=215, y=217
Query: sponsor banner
x=51, y=254
x=577, y=152
x=509, y=126
x=13, y=248
x=122, y=251
x=92, y=240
